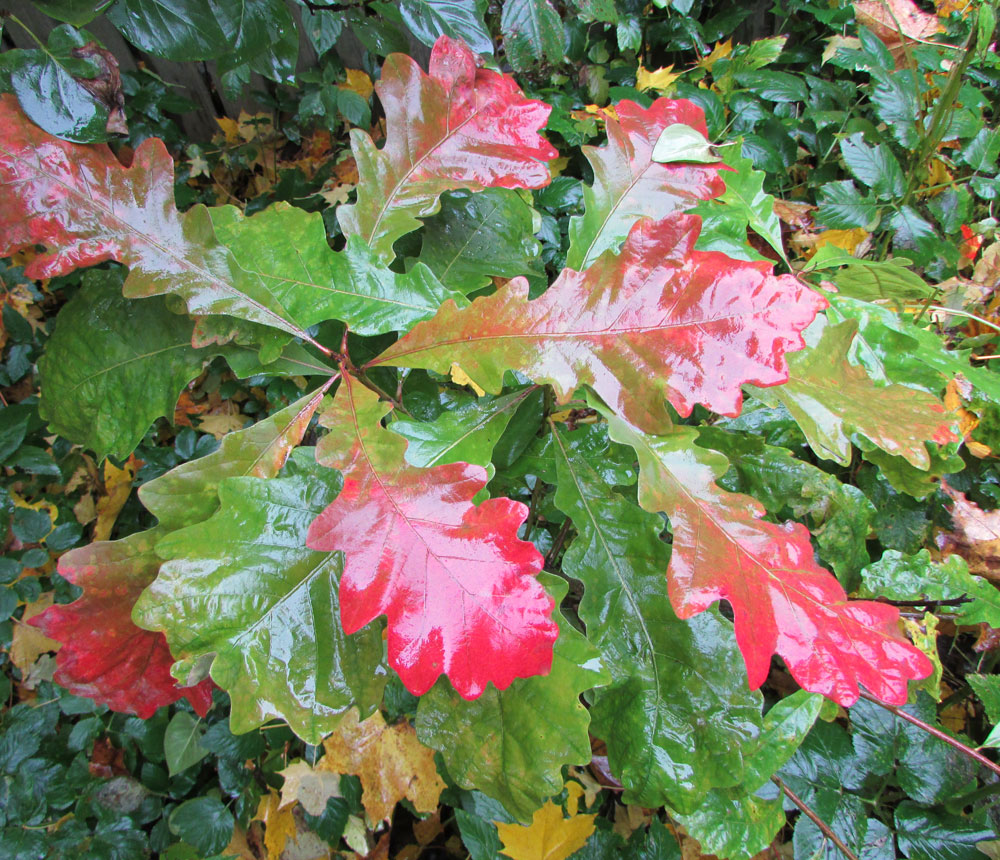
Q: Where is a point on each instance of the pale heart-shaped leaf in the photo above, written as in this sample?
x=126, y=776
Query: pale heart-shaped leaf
x=659, y=322
x=287, y=248
x=244, y=586
x=830, y=399
x=84, y=207
x=460, y=126
x=677, y=720
x=512, y=744
x=189, y=493
x=782, y=601
x=104, y=656
x=457, y=585
x=629, y=184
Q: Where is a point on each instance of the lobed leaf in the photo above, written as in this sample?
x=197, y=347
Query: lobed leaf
x=455, y=582
x=512, y=744
x=782, y=601
x=243, y=586
x=459, y=126
x=677, y=720
x=84, y=207
x=104, y=656
x=629, y=185
x=659, y=321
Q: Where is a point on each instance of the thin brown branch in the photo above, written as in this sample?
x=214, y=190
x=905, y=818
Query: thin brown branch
x=815, y=819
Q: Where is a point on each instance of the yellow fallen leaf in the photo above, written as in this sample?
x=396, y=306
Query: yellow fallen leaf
x=358, y=82
x=230, y=128
x=85, y=510
x=591, y=787
x=309, y=786
x=835, y=43
x=946, y=7
x=117, y=488
x=279, y=824
x=937, y=175
x=390, y=761
x=252, y=126
x=661, y=79
x=222, y=424
x=557, y=166
x=630, y=818
x=550, y=836
x=238, y=846
x=808, y=244
x=29, y=643
x=719, y=52
x=460, y=377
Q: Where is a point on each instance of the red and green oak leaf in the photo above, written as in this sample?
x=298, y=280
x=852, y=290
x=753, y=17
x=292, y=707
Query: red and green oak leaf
x=104, y=654
x=658, y=322
x=458, y=126
x=629, y=185
x=457, y=585
x=782, y=601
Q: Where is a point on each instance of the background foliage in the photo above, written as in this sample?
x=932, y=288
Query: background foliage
x=865, y=148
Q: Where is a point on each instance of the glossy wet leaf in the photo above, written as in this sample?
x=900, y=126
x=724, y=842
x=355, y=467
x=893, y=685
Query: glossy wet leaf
x=476, y=237
x=47, y=83
x=243, y=586
x=875, y=166
x=918, y=577
x=428, y=19
x=932, y=833
x=839, y=516
x=487, y=137
x=782, y=600
x=457, y=585
x=629, y=184
x=659, y=322
x=532, y=33
x=287, y=248
x=831, y=399
x=676, y=718
x=466, y=433
x=390, y=761
x=104, y=655
x=736, y=826
x=84, y=207
x=512, y=744
x=114, y=365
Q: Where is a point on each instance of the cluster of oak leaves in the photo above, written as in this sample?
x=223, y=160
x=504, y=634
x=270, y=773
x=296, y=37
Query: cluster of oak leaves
x=264, y=545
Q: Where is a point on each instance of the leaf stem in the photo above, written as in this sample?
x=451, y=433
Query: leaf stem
x=940, y=735
x=812, y=816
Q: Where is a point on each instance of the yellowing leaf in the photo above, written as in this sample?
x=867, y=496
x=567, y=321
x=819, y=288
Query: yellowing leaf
x=550, y=836
x=661, y=79
x=390, y=761
x=834, y=43
x=358, y=82
x=460, y=377
x=946, y=7
x=230, y=128
x=312, y=787
x=924, y=635
x=28, y=642
x=557, y=166
x=42, y=505
x=808, y=244
x=252, y=126
x=224, y=422
x=279, y=824
x=719, y=52
x=591, y=787
x=117, y=487
x=937, y=175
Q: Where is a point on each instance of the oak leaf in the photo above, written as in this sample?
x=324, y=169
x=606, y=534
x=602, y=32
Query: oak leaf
x=659, y=322
x=391, y=763
x=459, y=126
x=456, y=583
x=783, y=602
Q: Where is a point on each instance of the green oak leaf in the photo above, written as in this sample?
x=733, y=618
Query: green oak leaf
x=244, y=586
x=511, y=744
x=189, y=493
x=831, y=399
x=476, y=237
x=838, y=515
x=678, y=718
x=612, y=461
x=466, y=433
x=114, y=365
x=286, y=248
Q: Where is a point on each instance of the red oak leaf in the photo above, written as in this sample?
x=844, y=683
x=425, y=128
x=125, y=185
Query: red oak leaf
x=783, y=602
x=629, y=185
x=659, y=321
x=104, y=656
x=456, y=584
x=460, y=126
x=84, y=207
